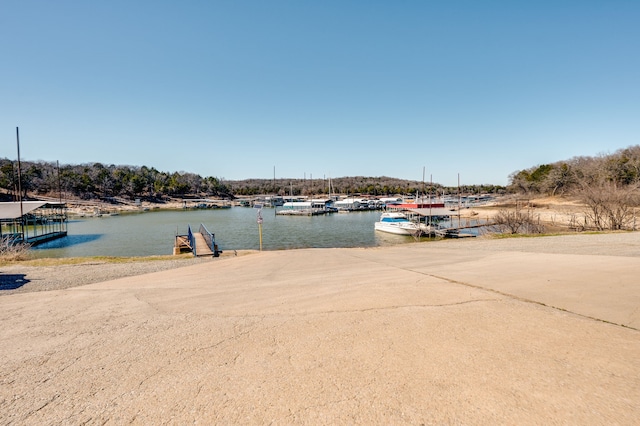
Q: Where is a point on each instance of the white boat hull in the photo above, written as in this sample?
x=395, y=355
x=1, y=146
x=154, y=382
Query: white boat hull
x=397, y=228
x=397, y=223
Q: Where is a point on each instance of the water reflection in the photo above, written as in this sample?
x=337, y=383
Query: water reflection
x=70, y=240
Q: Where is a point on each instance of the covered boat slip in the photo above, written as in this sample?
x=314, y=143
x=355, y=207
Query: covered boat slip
x=306, y=208
x=428, y=215
x=440, y=221
x=32, y=222
x=435, y=221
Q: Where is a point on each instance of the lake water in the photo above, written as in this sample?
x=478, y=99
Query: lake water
x=153, y=232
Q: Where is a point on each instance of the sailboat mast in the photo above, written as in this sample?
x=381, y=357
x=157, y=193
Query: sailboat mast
x=19, y=172
x=430, y=202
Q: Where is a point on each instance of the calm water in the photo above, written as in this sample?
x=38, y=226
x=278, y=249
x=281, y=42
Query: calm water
x=153, y=233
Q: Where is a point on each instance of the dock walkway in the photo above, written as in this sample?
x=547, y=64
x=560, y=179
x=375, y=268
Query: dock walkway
x=201, y=243
x=202, y=248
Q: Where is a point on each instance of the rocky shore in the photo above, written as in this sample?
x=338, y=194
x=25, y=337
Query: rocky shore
x=76, y=207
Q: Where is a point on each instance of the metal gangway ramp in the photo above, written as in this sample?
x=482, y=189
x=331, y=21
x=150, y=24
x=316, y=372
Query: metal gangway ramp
x=201, y=243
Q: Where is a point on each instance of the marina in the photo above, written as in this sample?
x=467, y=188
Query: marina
x=153, y=232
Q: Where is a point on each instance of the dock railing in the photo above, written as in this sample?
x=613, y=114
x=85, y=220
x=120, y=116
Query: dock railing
x=192, y=240
x=210, y=239
x=200, y=243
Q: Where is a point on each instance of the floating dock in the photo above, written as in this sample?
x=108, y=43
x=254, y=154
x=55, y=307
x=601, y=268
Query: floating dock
x=201, y=243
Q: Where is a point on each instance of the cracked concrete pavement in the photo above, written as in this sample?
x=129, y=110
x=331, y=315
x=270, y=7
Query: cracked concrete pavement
x=523, y=331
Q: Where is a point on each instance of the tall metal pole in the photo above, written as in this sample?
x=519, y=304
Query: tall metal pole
x=20, y=185
x=260, y=220
x=423, y=188
x=59, y=182
x=430, y=201
x=459, y=200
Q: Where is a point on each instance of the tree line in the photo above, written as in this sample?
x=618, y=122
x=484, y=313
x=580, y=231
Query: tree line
x=608, y=185
x=621, y=169
x=97, y=181
x=373, y=186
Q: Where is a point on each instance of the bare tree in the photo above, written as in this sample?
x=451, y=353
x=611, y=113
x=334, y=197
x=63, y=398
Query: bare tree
x=610, y=206
x=514, y=222
x=11, y=250
x=560, y=179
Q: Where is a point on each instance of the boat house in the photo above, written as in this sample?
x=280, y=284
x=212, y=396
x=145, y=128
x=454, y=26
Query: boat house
x=348, y=204
x=32, y=222
x=305, y=208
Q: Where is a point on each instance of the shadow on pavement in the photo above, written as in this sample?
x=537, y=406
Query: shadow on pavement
x=12, y=281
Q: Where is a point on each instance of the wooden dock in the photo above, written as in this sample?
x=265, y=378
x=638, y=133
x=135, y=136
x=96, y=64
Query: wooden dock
x=201, y=243
x=182, y=245
x=202, y=248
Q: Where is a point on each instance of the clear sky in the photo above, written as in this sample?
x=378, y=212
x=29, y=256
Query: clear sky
x=235, y=88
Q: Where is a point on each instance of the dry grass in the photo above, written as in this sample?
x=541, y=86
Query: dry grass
x=10, y=252
x=25, y=259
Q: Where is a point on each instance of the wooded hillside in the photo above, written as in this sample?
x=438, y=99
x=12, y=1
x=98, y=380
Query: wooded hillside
x=620, y=169
x=88, y=181
x=607, y=185
x=375, y=186
x=97, y=180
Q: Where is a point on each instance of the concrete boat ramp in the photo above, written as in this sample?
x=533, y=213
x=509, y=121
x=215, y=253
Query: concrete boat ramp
x=474, y=331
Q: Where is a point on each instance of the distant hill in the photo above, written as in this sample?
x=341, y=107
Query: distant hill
x=97, y=180
x=375, y=186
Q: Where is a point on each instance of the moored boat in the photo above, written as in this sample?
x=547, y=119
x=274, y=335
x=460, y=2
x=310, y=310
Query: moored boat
x=397, y=223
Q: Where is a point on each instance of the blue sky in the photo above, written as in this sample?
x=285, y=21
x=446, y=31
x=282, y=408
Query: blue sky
x=233, y=89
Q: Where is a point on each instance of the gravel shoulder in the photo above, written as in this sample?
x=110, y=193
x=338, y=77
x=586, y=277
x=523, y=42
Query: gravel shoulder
x=17, y=278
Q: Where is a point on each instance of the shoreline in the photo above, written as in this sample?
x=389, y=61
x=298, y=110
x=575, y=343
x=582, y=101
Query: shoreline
x=46, y=274
x=557, y=213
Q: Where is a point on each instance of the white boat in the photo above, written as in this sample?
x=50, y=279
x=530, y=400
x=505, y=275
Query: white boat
x=397, y=223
